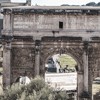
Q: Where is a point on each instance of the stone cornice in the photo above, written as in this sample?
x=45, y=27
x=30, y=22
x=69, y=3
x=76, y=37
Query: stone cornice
x=52, y=10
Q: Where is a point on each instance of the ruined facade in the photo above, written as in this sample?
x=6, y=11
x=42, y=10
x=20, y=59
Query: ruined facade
x=31, y=34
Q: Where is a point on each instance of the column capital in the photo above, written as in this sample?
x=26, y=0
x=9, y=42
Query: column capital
x=37, y=49
x=37, y=46
x=86, y=44
x=7, y=46
x=87, y=47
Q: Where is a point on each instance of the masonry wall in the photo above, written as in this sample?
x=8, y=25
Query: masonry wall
x=22, y=61
x=27, y=54
x=39, y=25
x=36, y=21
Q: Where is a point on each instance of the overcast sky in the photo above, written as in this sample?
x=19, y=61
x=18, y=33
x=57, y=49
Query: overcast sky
x=58, y=2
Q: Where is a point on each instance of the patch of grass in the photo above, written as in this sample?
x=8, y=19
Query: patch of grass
x=95, y=88
x=1, y=69
x=1, y=90
x=67, y=60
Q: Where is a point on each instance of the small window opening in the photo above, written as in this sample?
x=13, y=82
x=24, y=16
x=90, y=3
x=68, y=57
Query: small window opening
x=61, y=25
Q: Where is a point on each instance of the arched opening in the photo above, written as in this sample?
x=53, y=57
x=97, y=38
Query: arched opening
x=96, y=88
x=61, y=73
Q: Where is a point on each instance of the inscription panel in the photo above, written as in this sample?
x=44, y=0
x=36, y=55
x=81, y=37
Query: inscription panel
x=37, y=21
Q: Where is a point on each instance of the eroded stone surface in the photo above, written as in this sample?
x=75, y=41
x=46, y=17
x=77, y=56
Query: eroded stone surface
x=32, y=34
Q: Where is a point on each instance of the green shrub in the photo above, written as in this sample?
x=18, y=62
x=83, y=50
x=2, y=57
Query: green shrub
x=36, y=90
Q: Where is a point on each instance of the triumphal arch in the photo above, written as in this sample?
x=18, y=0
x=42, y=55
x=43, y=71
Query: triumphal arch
x=31, y=34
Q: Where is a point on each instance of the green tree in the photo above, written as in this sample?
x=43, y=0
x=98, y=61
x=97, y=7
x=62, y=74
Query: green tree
x=91, y=4
x=36, y=90
x=98, y=4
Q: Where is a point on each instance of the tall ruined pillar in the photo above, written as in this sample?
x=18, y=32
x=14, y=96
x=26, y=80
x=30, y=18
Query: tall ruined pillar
x=86, y=93
x=7, y=64
x=85, y=61
x=37, y=58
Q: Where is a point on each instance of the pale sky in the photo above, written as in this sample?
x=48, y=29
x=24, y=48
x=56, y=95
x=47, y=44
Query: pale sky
x=58, y=2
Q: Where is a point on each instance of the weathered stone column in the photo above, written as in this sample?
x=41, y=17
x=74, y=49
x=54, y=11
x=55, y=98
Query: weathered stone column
x=85, y=61
x=37, y=58
x=7, y=65
x=85, y=94
x=37, y=62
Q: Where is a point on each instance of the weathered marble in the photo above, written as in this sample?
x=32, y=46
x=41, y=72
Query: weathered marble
x=32, y=34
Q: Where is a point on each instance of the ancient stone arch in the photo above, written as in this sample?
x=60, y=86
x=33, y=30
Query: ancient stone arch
x=31, y=34
x=75, y=51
